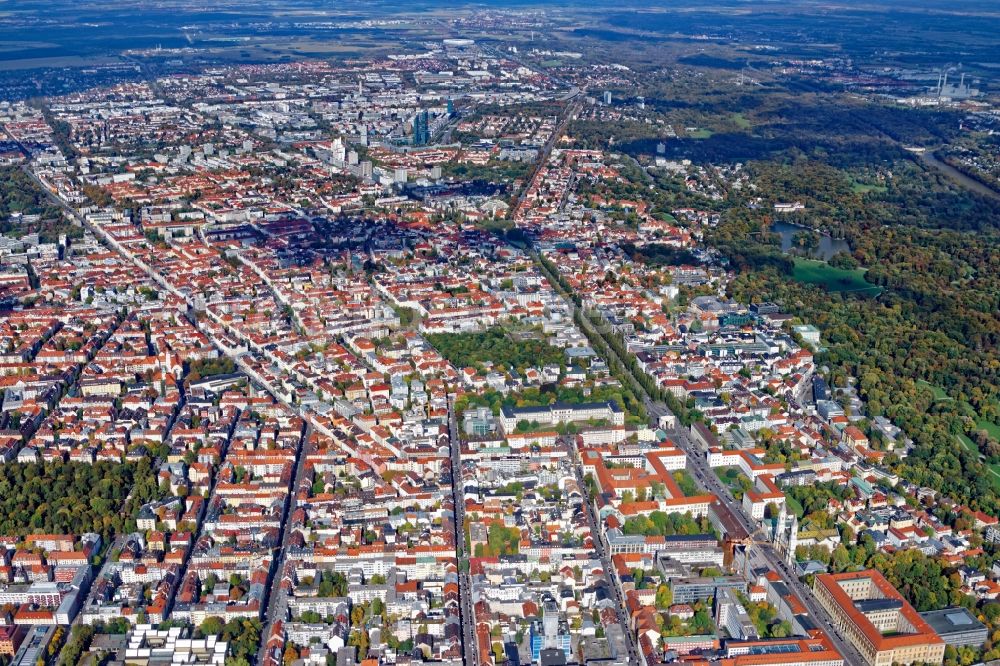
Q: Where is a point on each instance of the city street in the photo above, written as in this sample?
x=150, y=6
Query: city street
x=277, y=600
x=464, y=581
x=609, y=572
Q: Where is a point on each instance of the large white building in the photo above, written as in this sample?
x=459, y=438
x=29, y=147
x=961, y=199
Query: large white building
x=560, y=412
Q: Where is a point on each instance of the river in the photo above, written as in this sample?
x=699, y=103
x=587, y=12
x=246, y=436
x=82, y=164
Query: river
x=928, y=158
x=828, y=246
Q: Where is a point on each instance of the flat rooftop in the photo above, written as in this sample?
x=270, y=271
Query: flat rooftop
x=952, y=620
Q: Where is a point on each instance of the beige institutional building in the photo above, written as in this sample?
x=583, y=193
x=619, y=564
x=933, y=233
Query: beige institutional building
x=872, y=615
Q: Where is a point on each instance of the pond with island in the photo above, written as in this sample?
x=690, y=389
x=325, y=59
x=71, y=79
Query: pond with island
x=828, y=246
x=811, y=263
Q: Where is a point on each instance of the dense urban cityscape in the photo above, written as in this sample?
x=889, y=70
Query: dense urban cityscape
x=509, y=341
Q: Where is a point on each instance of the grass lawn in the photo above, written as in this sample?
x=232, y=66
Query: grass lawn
x=971, y=446
x=741, y=121
x=701, y=133
x=864, y=188
x=812, y=271
x=794, y=506
x=939, y=393
x=992, y=428
x=968, y=443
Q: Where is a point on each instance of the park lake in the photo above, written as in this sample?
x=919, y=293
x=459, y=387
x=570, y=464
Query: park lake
x=828, y=246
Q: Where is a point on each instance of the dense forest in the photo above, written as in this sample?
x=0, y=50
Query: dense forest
x=494, y=345
x=496, y=171
x=73, y=498
x=895, y=193
x=779, y=121
x=20, y=194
